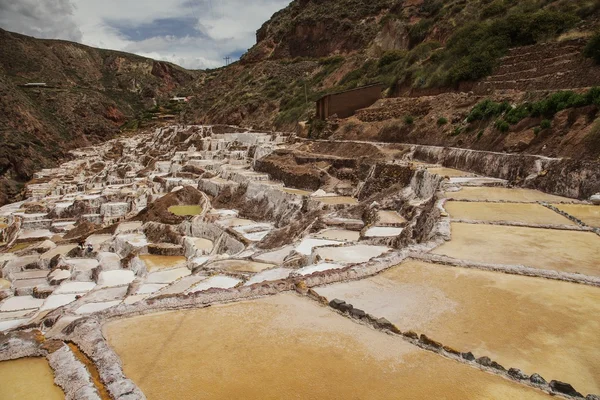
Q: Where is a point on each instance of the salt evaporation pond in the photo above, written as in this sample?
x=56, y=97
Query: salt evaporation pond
x=288, y=344
x=186, y=210
x=553, y=328
x=337, y=200
x=274, y=274
x=554, y=249
x=512, y=212
x=311, y=269
x=154, y=262
x=589, y=214
x=239, y=266
x=351, y=254
x=168, y=276
x=383, y=231
x=504, y=194
x=28, y=379
x=342, y=235
x=215, y=282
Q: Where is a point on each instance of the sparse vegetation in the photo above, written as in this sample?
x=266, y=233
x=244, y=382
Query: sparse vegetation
x=409, y=120
x=592, y=49
x=442, y=121
x=546, y=124
x=502, y=125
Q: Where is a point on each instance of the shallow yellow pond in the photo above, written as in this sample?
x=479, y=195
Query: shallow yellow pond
x=506, y=194
x=28, y=379
x=154, y=262
x=335, y=200
x=510, y=212
x=534, y=324
x=183, y=211
x=589, y=214
x=533, y=247
x=286, y=346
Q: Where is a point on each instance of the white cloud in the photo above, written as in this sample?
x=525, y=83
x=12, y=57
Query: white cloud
x=191, y=33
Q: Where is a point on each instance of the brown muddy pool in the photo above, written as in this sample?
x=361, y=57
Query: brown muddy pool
x=287, y=346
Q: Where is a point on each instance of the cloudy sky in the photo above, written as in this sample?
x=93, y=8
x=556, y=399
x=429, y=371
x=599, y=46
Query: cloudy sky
x=191, y=33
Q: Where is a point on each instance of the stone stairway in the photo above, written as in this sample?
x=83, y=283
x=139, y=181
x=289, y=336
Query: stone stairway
x=547, y=66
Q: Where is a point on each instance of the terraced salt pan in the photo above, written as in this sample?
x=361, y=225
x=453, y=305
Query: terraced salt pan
x=504, y=194
x=97, y=240
x=337, y=200
x=182, y=285
x=35, y=234
x=351, y=254
x=82, y=264
x=299, y=192
x=450, y=172
x=96, y=307
x=151, y=288
x=553, y=249
x=154, y=262
x=298, y=347
x=234, y=222
x=239, y=266
x=307, y=244
x=311, y=269
x=9, y=324
x=186, y=210
x=28, y=379
x=4, y=284
x=115, y=278
x=167, y=276
x=534, y=324
x=75, y=287
x=21, y=303
x=61, y=249
x=386, y=217
x=274, y=274
x=126, y=227
x=203, y=244
x=275, y=257
x=510, y=212
x=383, y=231
x=342, y=235
x=218, y=281
x=57, y=300
x=589, y=214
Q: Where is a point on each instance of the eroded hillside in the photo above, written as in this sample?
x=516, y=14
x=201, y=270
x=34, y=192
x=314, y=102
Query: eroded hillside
x=90, y=94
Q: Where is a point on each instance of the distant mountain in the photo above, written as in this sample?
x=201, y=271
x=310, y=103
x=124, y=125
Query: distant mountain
x=88, y=94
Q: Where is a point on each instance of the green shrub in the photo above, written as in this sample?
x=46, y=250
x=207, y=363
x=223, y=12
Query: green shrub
x=474, y=50
x=502, y=125
x=515, y=115
x=557, y=102
x=409, y=120
x=487, y=109
x=496, y=8
x=546, y=124
x=442, y=121
x=431, y=7
x=479, y=135
x=390, y=57
x=419, y=31
x=592, y=49
x=457, y=131
x=537, y=130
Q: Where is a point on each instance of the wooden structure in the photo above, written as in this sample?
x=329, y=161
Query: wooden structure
x=345, y=103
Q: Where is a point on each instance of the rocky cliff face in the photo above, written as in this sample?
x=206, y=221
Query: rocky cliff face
x=89, y=94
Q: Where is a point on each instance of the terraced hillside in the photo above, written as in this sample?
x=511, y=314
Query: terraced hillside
x=253, y=264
